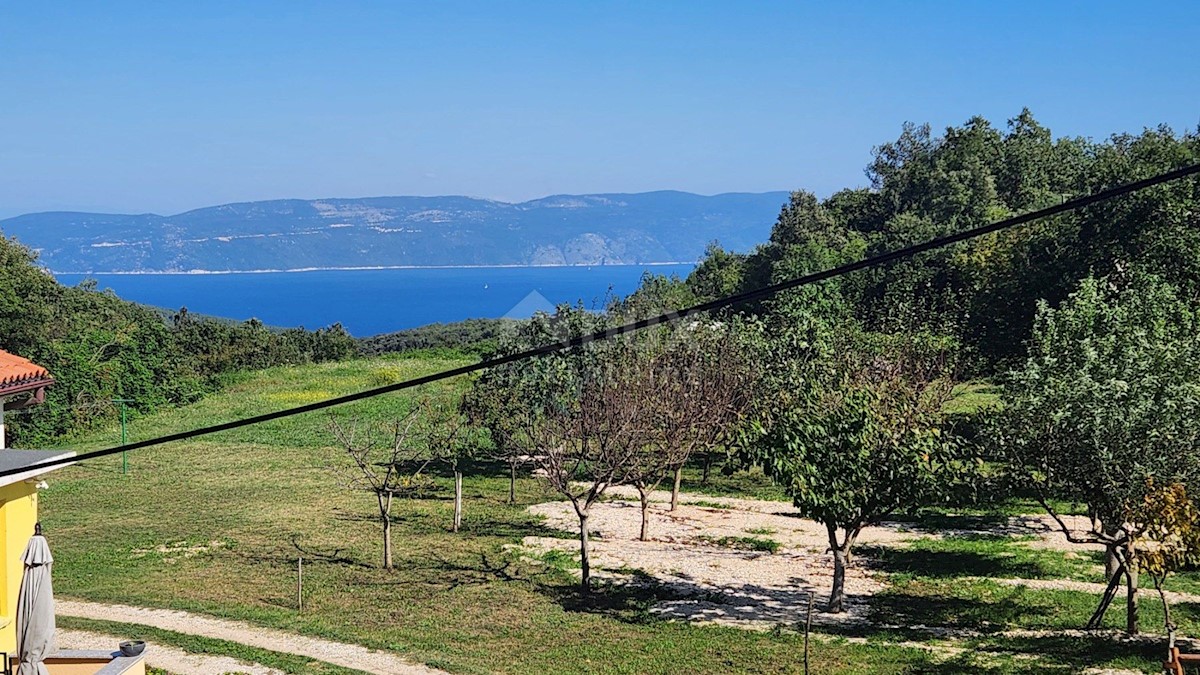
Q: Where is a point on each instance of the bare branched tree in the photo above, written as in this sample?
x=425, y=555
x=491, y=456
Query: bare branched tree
x=388, y=461
x=585, y=436
x=693, y=387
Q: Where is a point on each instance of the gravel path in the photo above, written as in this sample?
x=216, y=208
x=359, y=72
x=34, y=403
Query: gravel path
x=337, y=653
x=168, y=658
x=716, y=584
x=747, y=589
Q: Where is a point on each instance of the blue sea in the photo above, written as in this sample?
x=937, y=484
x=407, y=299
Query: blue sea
x=368, y=302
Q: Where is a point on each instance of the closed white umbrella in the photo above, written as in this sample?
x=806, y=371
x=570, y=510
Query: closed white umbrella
x=35, y=608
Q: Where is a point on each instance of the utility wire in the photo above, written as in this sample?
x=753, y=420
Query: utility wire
x=634, y=326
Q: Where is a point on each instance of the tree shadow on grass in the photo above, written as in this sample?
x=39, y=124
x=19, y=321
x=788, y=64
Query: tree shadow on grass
x=889, y=616
x=517, y=531
x=434, y=517
x=913, y=615
x=472, y=467
x=439, y=572
x=634, y=596
x=920, y=612
x=987, y=628
x=287, y=556
x=974, y=625
x=1078, y=651
x=993, y=524
x=996, y=562
x=628, y=602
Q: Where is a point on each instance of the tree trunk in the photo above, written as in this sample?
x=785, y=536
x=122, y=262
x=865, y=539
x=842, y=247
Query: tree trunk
x=852, y=532
x=1166, y=608
x=675, y=488
x=645, y=497
x=457, y=500
x=1131, y=576
x=837, y=594
x=1111, y=564
x=707, y=466
x=1110, y=592
x=512, y=482
x=585, y=562
x=385, y=508
x=387, y=543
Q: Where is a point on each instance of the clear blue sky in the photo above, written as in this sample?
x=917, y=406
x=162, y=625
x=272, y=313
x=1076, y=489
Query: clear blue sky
x=135, y=107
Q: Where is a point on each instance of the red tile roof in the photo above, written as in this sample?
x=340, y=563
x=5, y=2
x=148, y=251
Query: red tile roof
x=16, y=371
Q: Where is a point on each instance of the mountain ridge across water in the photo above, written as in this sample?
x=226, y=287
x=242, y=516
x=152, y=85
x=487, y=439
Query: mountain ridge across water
x=401, y=232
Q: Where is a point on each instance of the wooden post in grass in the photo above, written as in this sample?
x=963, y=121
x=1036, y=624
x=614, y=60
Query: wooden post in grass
x=807, y=628
x=458, y=477
x=300, y=584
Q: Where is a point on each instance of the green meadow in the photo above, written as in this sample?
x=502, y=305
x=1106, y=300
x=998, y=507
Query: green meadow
x=216, y=525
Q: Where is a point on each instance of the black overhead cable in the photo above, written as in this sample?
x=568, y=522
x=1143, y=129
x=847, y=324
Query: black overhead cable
x=756, y=294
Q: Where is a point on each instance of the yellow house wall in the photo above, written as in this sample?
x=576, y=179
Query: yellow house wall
x=76, y=668
x=18, y=515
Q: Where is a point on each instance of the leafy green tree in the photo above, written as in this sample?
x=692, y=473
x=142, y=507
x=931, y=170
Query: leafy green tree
x=1032, y=169
x=720, y=273
x=901, y=169
x=1154, y=229
x=925, y=185
x=1104, y=409
x=1171, y=540
x=655, y=295
x=27, y=298
x=855, y=432
x=501, y=402
x=472, y=336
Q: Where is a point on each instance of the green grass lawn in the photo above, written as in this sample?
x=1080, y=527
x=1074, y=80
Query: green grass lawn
x=216, y=525
x=952, y=584
x=258, y=498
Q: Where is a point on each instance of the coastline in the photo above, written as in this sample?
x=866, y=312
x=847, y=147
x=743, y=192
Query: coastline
x=375, y=301
x=369, y=268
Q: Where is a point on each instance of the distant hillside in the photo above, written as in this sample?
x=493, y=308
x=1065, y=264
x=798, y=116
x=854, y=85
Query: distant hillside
x=402, y=231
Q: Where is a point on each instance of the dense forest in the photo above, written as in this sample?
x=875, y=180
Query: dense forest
x=100, y=347
x=983, y=292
